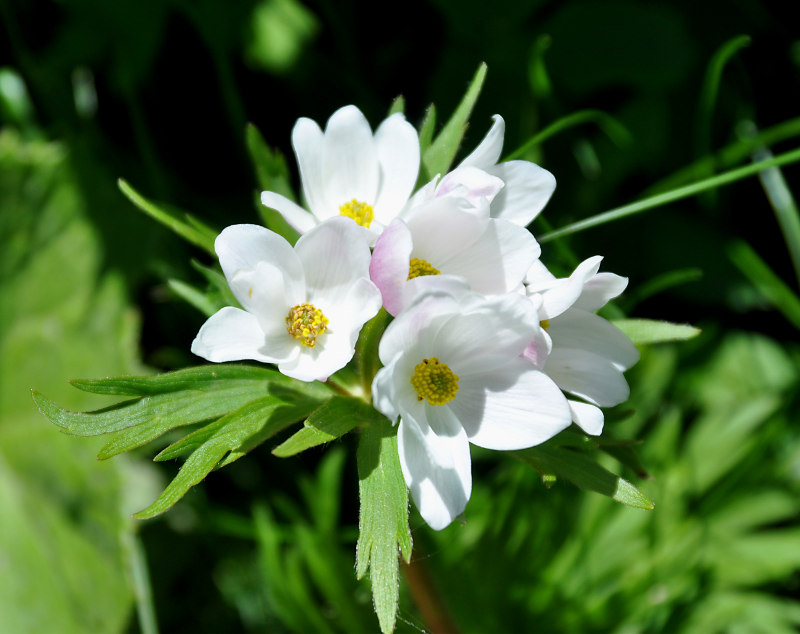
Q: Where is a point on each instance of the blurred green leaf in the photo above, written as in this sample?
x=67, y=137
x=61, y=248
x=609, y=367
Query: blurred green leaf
x=383, y=519
x=439, y=156
x=645, y=331
x=194, y=297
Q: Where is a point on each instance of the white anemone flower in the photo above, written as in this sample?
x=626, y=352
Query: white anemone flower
x=445, y=237
x=526, y=187
x=348, y=171
x=303, y=306
x=583, y=353
x=454, y=375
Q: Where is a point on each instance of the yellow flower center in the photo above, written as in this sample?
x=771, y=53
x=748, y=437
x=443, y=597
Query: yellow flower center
x=544, y=324
x=360, y=212
x=434, y=382
x=418, y=268
x=305, y=323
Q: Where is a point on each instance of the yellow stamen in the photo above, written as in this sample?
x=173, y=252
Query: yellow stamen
x=545, y=323
x=360, y=212
x=306, y=323
x=418, y=268
x=434, y=382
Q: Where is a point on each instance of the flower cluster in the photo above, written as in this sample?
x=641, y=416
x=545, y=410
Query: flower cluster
x=486, y=345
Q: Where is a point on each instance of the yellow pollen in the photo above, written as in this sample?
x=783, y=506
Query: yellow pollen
x=360, y=212
x=544, y=324
x=418, y=268
x=305, y=323
x=434, y=382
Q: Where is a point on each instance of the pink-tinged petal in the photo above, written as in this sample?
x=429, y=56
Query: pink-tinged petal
x=588, y=376
x=294, y=214
x=244, y=246
x=588, y=417
x=488, y=151
x=538, y=349
x=528, y=189
x=562, y=295
x=473, y=184
x=350, y=162
x=389, y=266
x=599, y=290
x=422, y=195
x=497, y=261
x=333, y=255
x=513, y=407
x=435, y=460
x=443, y=227
x=308, y=144
x=397, y=146
x=232, y=334
x=579, y=330
x=425, y=284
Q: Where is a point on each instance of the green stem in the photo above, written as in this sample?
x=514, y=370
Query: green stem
x=140, y=578
x=676, y=194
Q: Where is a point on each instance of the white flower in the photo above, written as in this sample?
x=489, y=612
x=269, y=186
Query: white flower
x=348, y=171
x=582, y=352
x=454, y=375
x=517, y=190
x=450, y=236
x=303, y=306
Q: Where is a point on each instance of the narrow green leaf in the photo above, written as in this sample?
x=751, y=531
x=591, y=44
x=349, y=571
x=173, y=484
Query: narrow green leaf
x=674, y=195
x=194, y=297
x=643, y=331
x=218, y=282
x=169, y=217
x=398, y=105
x=272, y=172
x=190, y=442
x=772, y=287
x=584, y=473
x=439, y=156
x=265, y=415
x=383, y=520
x=367, y=348
x=659, y=284
x=330, y=421
x=426, y=129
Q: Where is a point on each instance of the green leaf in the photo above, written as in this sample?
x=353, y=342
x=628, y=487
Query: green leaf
x=367, y=348
x=331, y=420
x=398, y=105
x=426, y=129
x=272, y=173
x=584, y=473
x=439, y=156
x=194, y=297
x=643, y=331
x=383, y=520
x=217, y=281
x=171, y=218
x=260, y=418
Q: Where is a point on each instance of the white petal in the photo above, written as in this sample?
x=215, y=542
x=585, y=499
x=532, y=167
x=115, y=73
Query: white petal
x=350, y=162
x=333, y=255
x=527, y=190
x=244, y=246
x=383, y=393
x=497, y=261
x=232, y=334
x=352, y=310
x=566, y=292
x=443, y=227
x=588, y=417
x=331, y=353
x=436, y=465
x=538, y=349
x=488, y=151
x=580, y=330
x=307, y=141
x=539, y=277
x=389, y=266
x=584, y=374
x=262, y=293
x=599, y=290
x=397, y=146
x=513, y=407
x=294, y=214
x=471, y=183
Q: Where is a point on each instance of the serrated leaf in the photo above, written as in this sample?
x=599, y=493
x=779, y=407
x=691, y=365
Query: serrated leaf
x=644, y=331
x=331, y=420
x=261, y=418
x=170, y=218
x=383, y=519
x=439, y=156
x=584, y=473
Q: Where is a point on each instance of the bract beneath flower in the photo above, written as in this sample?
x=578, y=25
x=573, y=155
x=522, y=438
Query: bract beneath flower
x=453, y=374
x=348, y=171
x=303, y=306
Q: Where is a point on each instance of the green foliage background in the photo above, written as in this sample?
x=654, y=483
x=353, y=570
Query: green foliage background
x=159, y=92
